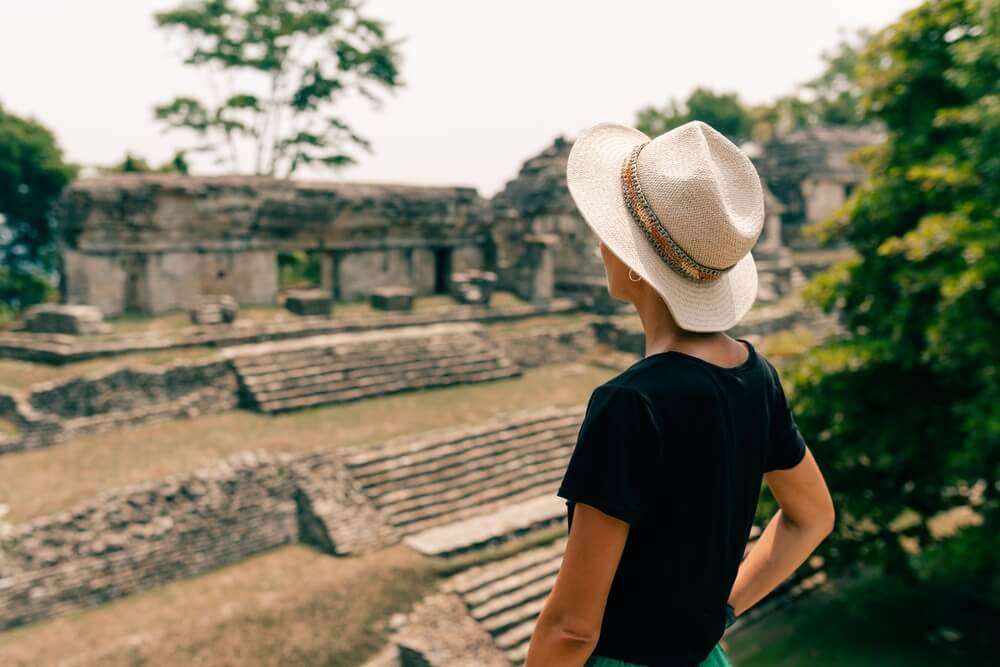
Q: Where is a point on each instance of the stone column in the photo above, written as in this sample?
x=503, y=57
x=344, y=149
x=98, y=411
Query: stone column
x=541, y=264
x=326, y=277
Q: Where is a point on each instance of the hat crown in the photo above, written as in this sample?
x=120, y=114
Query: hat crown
x=705, y=191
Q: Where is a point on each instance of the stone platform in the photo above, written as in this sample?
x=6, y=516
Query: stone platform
x=290, y=375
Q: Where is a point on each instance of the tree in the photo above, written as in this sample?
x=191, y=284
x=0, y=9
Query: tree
x=32, y=175
x=301, y=56
x=904, y=413
x=832, y=98
x=723, y=111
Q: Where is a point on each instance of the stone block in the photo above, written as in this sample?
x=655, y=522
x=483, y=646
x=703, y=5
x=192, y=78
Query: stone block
x=76, y=319
x=214, y=309
x=309, y=302
x=392, y=298
x=473, y=286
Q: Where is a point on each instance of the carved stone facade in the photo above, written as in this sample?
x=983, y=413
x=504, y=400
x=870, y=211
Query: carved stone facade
x=154, y=242
x=810, y=172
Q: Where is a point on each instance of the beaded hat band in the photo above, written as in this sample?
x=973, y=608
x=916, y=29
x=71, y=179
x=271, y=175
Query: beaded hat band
x=664, y=244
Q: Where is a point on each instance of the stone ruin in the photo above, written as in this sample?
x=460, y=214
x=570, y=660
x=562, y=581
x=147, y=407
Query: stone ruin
x=392, y=298
x=153, y=242
x=442, y=495
x=74, y=319
x=309, y=302
x=810, y=172
x=214, y=309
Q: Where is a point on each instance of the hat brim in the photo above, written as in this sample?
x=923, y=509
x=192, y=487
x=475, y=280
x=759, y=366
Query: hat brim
x=593, y=176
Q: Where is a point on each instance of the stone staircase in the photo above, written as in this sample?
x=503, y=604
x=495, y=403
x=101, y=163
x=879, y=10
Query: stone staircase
x=508, y=470
x=301, y=373
x=505, y=597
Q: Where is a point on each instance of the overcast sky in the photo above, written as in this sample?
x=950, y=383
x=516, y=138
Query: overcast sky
x=488, y=83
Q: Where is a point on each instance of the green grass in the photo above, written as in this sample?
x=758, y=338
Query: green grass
x=53, y=478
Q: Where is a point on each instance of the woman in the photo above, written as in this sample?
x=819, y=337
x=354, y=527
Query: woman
x=662, y=485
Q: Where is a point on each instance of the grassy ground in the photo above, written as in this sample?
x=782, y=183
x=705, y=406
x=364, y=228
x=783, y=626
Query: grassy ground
x=53, y=478
x=288, y=606
x=291, y=606
x=21, y=375
x=872, y=621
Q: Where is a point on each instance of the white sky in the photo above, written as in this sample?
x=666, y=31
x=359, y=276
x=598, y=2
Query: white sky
x=489, y=83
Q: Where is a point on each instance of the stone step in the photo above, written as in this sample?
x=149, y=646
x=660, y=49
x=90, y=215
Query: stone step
x=309, y=365
x=541, y=480
x=495, y=503
x=483, y=599
x=371, y=462
x=453, y=486
x=521, y=633
x=309, y=349
x=481, y=577
x=414, y=476
x=319, y=398
x=516, y=607
x=478, y=531
x=518, y=655
x=321, y=376
x=387, y=454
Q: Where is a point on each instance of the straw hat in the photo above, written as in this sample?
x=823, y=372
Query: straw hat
x=682, y=210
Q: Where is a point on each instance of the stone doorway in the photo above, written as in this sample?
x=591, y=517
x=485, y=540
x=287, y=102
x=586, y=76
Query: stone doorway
x=442, y=270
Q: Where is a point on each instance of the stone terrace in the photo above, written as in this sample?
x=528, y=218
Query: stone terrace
x=470, y=475
x=330, y=369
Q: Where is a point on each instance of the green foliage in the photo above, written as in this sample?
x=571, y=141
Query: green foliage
x=133, y=164
x=904, y=414
x=32, y=175
x=301, y=55
x=298, y=268
x=722, y=111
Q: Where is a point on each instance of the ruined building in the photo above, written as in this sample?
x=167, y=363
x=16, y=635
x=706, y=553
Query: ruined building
x=155, y=242
x=810, y=172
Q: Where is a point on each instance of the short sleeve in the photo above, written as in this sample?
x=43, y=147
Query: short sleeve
x=615, y=456
x=786, y=447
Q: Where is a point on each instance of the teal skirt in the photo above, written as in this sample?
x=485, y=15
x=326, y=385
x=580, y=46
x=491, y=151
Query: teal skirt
x=717, y=658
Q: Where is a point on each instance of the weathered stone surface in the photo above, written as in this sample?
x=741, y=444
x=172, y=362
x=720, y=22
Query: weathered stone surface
x=152, y=242
x=809, y=170
x=488, y=529
x=214, y=309
x=61, y=349
x=424, y=483
x=440, y=633
x=294, y=374
x=392, y=298
x=334, y=513
x=473, y=286
x=115, y=397
x=309, y=302
x=130, y=539
x=75, y=319
x=543, y=345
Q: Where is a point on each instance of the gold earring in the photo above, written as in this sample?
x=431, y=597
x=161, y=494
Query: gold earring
x=635, y=280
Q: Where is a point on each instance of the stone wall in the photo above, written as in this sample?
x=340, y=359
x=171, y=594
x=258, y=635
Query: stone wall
x=117, y=397
x=542, y=345
x=131, y=539
x=124, y=389
x=154, y=242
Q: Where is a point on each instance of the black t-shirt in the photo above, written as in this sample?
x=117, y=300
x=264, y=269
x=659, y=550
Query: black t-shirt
x=677, y=447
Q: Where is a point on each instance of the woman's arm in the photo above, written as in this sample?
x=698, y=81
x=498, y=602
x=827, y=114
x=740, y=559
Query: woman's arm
x=570, y=622
x=805, y=519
